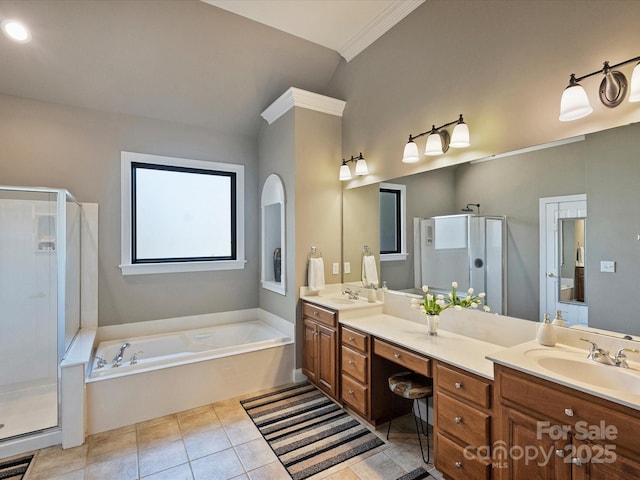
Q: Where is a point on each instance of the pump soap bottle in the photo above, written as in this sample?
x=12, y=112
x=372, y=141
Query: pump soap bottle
x=546, y=334
x=558, y=321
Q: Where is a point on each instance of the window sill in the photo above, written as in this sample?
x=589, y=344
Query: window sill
x=277, y=287
x=178, y=267
x=393, y=257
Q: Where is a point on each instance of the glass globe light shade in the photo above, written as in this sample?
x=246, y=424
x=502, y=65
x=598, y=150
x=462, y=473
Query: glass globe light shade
x=434, y=145
x=460, y=136
x=574, y=103
x=16, y=31
x=411, y=154
x=345, y=173
x=634, y=91
x=361, y=167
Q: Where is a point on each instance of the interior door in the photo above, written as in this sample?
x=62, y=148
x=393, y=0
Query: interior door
x=552, y=209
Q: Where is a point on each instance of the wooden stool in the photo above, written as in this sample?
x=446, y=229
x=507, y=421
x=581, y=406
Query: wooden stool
x=414, y=387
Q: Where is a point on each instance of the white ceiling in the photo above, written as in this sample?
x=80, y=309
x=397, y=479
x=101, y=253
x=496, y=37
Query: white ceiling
x=346, y=26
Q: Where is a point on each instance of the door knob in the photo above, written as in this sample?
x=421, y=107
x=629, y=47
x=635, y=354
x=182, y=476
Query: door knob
x=551, y=275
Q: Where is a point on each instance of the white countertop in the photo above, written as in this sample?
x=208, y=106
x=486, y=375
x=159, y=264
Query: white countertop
x=458, y=350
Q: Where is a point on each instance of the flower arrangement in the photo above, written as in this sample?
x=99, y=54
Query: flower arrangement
x=434, y=304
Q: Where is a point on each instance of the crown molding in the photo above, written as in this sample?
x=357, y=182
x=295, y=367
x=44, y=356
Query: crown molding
x=393, y=14
x=296, y=97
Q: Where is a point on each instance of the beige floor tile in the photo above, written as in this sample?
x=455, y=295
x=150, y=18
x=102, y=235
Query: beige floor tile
x=229, y=412
x=157, y=433
x=218, y=466
x=270, y=471
x=346, y=474
x=109, y=433
x=202, y=409
x=205, y=443
x=105, y=448
x=122, y=468
x=56, y=461
x=241, y=477
x=162, y=457
x=155, y=421
x=197, y=422
x=181, y=472
x=378, y=467
x=242, y=431
x=75, y=475
x=408, y=456
x=255, y=453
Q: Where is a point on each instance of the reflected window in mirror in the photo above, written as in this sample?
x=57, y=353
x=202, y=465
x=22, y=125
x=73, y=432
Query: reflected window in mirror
x=571, y=260
x=393, y=245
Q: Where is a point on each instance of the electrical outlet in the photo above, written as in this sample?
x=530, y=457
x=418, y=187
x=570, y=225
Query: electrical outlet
x=608, y=266
x=347, y=267
x=336, y=268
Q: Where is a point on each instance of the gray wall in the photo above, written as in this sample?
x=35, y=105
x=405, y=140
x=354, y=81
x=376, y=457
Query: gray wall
x=57, y=146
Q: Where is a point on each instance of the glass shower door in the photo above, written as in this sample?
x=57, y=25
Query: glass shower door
x=29, y=354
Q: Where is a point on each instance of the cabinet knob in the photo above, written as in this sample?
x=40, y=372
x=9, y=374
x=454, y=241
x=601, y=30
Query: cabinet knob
x=577, y=462
x=568, y=412
x=458, y=464
x=351, y=339
x=351, y=392
x=396, y=355
x=458, y=385
x=315, y=312
x=351, y=362
x=560, y=453
x=458, y=419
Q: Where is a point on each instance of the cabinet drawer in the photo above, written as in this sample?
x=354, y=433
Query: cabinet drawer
x=452, y=461
x=401, y=356
x=356, y=340
x=470, y=426
x=354, y=364
x=463, y=385
x=355, y=395
x=577, y=410
x=319, y=314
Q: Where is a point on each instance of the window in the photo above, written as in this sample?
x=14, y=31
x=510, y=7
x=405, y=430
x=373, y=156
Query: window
x=392, y=222
x=181, y=215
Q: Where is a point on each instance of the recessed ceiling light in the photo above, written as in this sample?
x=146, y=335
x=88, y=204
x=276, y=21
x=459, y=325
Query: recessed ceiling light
x=16, y=31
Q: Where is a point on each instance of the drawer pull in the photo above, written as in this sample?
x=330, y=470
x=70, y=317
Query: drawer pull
x=351, y=339
x=351, y=392
x=351, y=362
x=560, y=453
x=458, y=419
x=568, y=412
x=458, y=385
x=577, y=462
x=458, y=464
x=396, y=355
x=315, y=312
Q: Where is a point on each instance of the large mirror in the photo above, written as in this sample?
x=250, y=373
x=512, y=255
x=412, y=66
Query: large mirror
x=602, y=165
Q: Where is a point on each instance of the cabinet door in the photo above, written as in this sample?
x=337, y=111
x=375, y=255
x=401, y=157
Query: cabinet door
x=531, y=454
x=599, y=462
x=327, y=359
x=310, y=350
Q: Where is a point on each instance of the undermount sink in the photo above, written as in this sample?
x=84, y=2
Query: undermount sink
x=575, y=366
x=339, y=300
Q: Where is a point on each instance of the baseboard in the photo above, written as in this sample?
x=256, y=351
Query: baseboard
x=298, y=376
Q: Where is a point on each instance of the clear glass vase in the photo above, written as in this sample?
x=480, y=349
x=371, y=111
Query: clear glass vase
x=432, y=324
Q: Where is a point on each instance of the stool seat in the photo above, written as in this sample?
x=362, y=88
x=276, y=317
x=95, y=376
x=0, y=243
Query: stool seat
x=411, y=385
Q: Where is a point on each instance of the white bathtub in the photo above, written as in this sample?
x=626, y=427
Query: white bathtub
x=178, y=370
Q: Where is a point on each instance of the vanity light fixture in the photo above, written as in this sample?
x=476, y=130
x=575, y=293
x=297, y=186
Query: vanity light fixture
x=574, y=103
x=361, y=167
x=438, y=141
x=16, y=31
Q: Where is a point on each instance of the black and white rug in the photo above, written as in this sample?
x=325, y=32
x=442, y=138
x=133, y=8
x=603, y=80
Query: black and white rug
x=15, y=468
x=310, y=433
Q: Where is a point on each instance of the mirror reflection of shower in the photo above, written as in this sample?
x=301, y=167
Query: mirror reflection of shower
x=468, y=208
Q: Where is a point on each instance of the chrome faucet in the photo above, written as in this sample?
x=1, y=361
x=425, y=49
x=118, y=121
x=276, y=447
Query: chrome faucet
x=134, y=358
x=621, y=359
x=100, y=361
x=352, y=295
x=598, y=354
x=117, y=360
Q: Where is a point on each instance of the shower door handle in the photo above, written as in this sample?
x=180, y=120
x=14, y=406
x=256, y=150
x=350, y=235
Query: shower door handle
x=551, y=275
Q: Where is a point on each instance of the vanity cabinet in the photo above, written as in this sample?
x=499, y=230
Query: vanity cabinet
x=462, y=423
x=569, y=434
x=319, y=356
x=354, y=370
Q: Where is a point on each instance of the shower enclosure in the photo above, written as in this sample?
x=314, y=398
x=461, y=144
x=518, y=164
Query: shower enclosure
x=39, y=305
x=468, y=249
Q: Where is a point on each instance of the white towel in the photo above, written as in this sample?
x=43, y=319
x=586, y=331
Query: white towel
x=580, y=257
x=369, y=271
x=316, y=274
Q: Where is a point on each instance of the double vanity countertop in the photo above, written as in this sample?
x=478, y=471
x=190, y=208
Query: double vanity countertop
x=475, y=346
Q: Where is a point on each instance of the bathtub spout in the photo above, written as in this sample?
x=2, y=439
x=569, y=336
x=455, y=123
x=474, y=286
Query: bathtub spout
x=117, y=360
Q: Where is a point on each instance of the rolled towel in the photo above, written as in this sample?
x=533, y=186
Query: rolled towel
x=369, y=271
x=316, y=274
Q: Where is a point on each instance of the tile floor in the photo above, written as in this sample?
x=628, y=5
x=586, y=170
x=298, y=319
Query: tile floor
x=217, y=441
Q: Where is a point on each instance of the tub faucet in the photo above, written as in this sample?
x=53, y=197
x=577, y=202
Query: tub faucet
x=118, y=357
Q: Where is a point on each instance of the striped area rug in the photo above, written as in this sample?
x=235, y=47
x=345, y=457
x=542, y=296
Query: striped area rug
x=307, y=431
x=14, y=469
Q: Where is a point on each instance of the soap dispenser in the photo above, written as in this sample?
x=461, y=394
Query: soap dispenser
x=546, y=333
x=558, y=321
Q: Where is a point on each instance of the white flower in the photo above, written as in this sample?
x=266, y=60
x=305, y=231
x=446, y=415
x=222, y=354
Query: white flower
x=470, y=291
x=482, y=295
x=467, y=298
x=425, y=289
x=422, y=309
x=440, y=296
x=457, y=307
x=454, y=284
x=486, y=308
x=440, y=303
x=474, y=305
